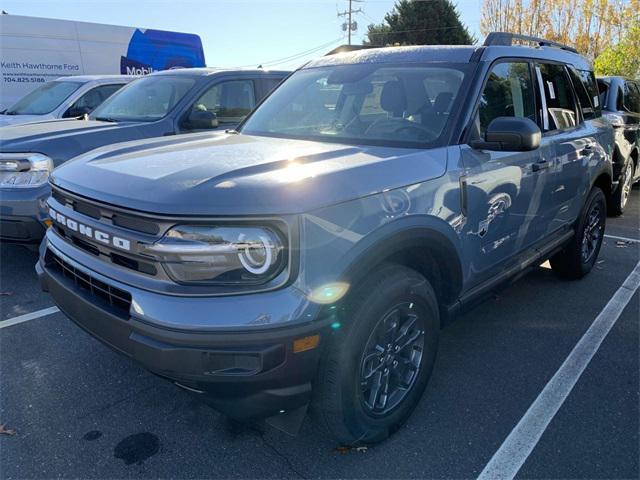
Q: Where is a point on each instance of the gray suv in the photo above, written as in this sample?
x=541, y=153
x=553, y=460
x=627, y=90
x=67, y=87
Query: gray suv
x=312, y=255
x=166, y=103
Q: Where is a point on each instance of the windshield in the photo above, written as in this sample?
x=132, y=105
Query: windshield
x=44, y=99
x=368, y=104
x=144, y=100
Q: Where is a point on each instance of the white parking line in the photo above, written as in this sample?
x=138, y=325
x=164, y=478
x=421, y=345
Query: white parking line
x=524, y=437
x=624, y=239
x=28, y=316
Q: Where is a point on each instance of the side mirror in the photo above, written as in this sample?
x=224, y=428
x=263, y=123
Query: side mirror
x=202, y=120
x=510, y=134
x=75, y=111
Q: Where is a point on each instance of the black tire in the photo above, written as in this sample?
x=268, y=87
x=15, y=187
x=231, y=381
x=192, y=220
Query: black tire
x=618, y=199
x=580, y=255
x=340, y=404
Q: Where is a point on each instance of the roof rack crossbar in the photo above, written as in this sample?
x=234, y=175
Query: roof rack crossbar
x=506, y=39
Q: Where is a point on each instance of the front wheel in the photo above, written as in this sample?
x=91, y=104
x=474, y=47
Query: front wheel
x=619, y=199
x=378, y=364
x=580, y=255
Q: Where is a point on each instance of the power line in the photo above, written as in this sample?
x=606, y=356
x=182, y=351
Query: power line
x=414, y=30
x=296, y=56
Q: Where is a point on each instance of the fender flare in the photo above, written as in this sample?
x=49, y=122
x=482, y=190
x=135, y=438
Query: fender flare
x=433, y=234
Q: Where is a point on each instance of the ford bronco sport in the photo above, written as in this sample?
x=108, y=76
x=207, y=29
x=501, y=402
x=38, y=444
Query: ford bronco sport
x=311, y=256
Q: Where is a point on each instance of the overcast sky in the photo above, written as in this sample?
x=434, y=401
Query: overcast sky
x=236, y=32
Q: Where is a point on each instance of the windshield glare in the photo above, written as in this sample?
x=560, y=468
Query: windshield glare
x=145, y=100
x=368, y=104
x=44, y=99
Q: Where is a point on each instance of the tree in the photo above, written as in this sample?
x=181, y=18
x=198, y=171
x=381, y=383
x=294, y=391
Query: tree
x=414, y=22
x=622, y=58
x=591, y=26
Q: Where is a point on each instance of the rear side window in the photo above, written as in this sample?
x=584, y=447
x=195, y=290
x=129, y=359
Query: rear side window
x=560, y=111
x=631, y=97
x=509, y=92
x=584, y=83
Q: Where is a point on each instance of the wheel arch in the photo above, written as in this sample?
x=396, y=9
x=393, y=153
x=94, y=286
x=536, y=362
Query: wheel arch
x=603, y=182
x=428, y=245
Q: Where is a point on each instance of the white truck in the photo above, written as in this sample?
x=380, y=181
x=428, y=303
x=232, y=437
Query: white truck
x=35, y=50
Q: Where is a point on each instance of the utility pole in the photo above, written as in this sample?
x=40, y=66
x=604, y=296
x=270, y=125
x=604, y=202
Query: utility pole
x=350, y=25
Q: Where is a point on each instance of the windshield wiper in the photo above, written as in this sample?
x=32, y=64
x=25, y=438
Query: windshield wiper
x=106, y=119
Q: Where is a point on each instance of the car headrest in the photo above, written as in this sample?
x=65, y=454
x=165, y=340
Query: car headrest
x=393, y=98
x=442, y=102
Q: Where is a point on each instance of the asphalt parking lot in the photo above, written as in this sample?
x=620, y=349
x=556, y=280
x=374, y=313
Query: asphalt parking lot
x=80, y=410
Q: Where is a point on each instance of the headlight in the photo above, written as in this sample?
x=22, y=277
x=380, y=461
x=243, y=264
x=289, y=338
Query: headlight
x=20, y=170
x=221, y=255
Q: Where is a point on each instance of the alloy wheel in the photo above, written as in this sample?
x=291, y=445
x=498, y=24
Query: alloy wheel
x=626, y=186
x=593, y=232
x=391, y=360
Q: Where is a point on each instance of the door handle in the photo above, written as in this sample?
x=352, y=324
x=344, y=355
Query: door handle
x=541, y=165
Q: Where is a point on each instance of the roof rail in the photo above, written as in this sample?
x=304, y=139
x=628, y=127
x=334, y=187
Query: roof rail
x=506, y=39
x=349, y=48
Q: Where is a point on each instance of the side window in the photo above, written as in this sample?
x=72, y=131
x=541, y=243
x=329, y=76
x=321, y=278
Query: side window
x=269, y=84
x=508, y=93
x=603, y=91
x=560, y=112
x=619, y=99
x=590, y=83
x=584, y=84
x=631, y=97
x=230, y=101
x=91, y=99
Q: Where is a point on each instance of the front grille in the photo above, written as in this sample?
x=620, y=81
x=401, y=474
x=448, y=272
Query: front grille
x=106, y=213
x=108, y=296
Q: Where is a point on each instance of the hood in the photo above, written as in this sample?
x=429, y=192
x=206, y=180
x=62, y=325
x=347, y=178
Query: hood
x=64, y=139
x=231, y=174
x=6, y=120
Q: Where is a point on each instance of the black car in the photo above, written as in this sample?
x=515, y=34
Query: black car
x=162, y=104
x=620, y=99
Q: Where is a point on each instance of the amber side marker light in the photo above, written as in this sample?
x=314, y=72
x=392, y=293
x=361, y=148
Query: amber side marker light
x=48, y=222
x=306, y=343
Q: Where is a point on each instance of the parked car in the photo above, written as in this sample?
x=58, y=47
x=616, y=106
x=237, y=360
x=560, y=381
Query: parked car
x=164, y=103
x=66, y=97
x=313, y=254
x=620, y=99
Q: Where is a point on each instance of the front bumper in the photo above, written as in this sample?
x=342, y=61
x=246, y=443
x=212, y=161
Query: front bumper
x=244, y=374
x=23, y=212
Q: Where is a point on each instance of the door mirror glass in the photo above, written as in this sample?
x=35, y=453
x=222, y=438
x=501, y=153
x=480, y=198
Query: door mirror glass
x=510, y=134
x=202, y=120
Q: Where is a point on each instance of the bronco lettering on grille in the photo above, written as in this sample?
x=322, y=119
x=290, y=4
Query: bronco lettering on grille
x=89, y=232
